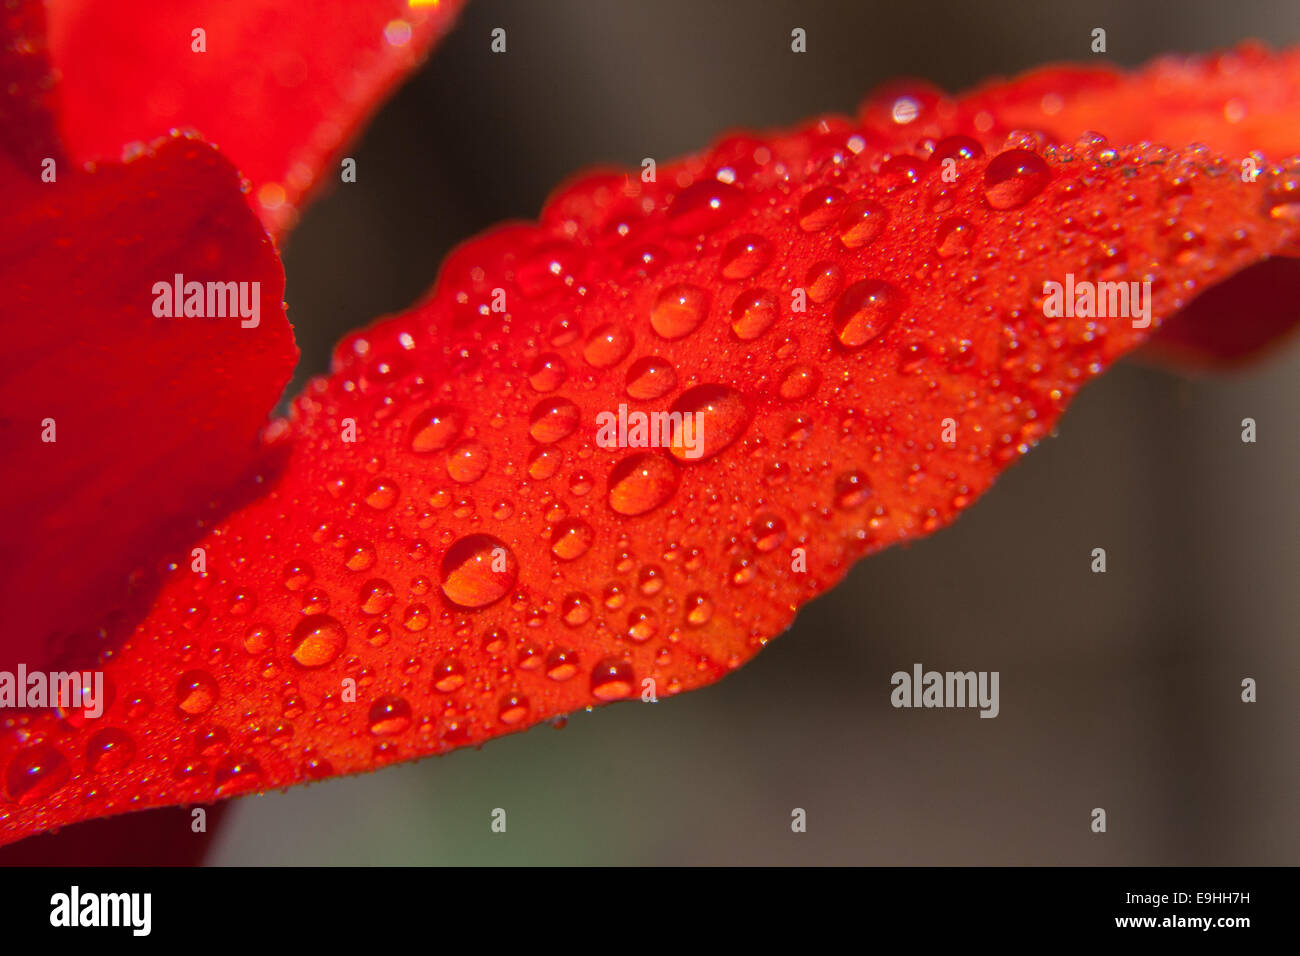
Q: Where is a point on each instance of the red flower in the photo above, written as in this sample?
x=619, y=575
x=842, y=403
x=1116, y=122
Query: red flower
x=462, y=532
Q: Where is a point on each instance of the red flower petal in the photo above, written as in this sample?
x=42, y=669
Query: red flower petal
x=475, y=562
x=152, y=418
x=279, y=89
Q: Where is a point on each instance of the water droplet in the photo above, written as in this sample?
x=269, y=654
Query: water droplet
x=376, y=596
x=679, y=310
x=650, y=377
x=640, y=483
x=607, y=345
x=196, y=692
x=823, y=280
x=109, y=750
x=821, y=207
x=580, y=484
x=360, y=555
x=211, y=741
x=852, y=489
x=553, y=420
x=753, y=313
x=954, y=237
x=612, y=679
x=650, y=580
x=543, y=462
x=745, y=256
x=241, y=604
x=416, y=617
x=641, y=625
x=548, y=373
x=512, y=709
x=1013, y=178
x=899, y=172
x=1283, y=197
x=704, y=207
x=798, y=382
x=297, y=575
x=317, y=640
x=699, y=608
x=389, y=715
x=448, y=675
x=862, y=222
x=725, y=416
x=575, y=609
x=435, y=427
x=478, y=570
x=561, y=663
x=382, y=494
x=468, y=462
x=958, y=147
x=571, y=539
x=236, y=774
x=34, y=773
x=865, y=310
x=768, y=531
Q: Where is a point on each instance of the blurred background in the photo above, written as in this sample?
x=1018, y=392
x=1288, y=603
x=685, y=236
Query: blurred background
x=1119, y=690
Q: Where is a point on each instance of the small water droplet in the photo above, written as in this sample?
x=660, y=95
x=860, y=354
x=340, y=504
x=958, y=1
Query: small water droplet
x=109, y=750
x=575, y=609
x=561, y=663
x=468, y=462
x=297, y=575
x=852, y=489
x=699, y=608
x=34, y=773
x=382, y=494
x=448, y=675
x=512, y=709
x=798, y=382
x=954, y=237
x=376, y=596
x=571, y=539
x=704, y=207
x=548, y=373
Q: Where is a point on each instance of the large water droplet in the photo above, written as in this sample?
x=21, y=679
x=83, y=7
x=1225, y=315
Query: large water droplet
x=607, y=345
x=478, y=570
x=553, y=420
x=640, y=483
x=865, y=310
x=612, y=679
x=753, y=313
x=468, y=462
x=196, y=692
x=1013, y=178
x=317, y=640
x=745, y=256
x=34, y=773
x=435, y=427
x=679, y=310
x=862, y=222
x=109, y=750
x=724, y=416
x=954, y=237
x=821, y=207
x=571, y=539
x=547, y=373
x=376, y=596
x=704, y=207
x=389, y=715
x=650, y=377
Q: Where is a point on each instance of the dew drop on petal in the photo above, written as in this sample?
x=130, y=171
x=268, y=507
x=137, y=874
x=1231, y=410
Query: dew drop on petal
x=196, y=692
x=722, y=416
x=317, y=640
x=612, y=679
x=478, y=570
x=650, y=377
x=865, y=310
x=640, y=483
x=1013, y=178
x=678, y=310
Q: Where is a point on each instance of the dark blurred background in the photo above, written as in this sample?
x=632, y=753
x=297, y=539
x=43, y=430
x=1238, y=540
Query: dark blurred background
x=1119, y=690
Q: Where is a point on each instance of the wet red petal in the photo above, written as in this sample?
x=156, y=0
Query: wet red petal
x=151, y=418
x=280, y=88
x=476, y=562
